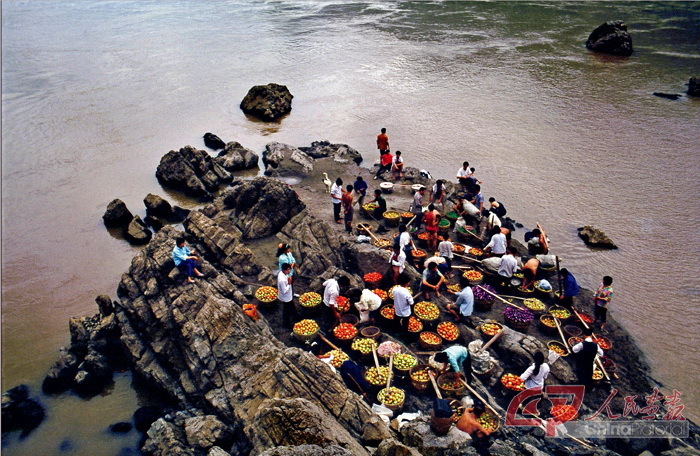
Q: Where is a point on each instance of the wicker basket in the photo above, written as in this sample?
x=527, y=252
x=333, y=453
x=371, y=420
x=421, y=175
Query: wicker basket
x=516, y=325
x=418, y=384
x=392, y=221
x=572, y=331
x=430, y=347
x=485, y=336
x=545, y=328
x=559, y=345
x=451, y=390
x=363, y=228
x=371, y=332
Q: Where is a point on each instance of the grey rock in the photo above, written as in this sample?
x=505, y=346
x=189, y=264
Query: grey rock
x=203, y=432
x=117, y=214
x=417, y=434
x=62, y=374
x=137, y=232
x=192, y=171
x=217, y=451
x=213, y=142
x=595, y=238
x=338, y=152
x=694, y=87
x=611, y=38
x=236, y=157
x=393, y=447
x=104, y=304
x=307, y=450
x=285, y=160
x=267, y=102
x=157, y=206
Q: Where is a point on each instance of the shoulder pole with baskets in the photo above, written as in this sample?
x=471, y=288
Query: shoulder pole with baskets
x=478, y=396
x=566, y=344
x=494, y=338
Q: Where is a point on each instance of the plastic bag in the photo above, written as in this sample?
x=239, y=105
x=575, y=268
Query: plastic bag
x=384, y=412
x=364, y=316
x=363, y=239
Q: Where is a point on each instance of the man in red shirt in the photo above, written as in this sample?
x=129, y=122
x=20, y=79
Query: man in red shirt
x=348, y=210
x=385, y=164
x=382, y=142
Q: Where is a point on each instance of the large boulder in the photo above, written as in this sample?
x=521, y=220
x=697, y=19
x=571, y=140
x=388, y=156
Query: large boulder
x=203, y=432
x=595, y=238
x=20, y=412
x=157, y=206
x=267, y=102
x=262, y=206
x=192, y=171
x=117, y=214
x=341, y=153
x=285, y=160
x=62, y=374
x=213, y=142
x=694, y=87
x=236, y=157
x=137, y=232
x=417, y=433
x=611, y=38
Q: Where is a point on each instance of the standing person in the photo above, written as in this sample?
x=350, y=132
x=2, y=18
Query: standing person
x=498, y=243
x=405, y=243
x=535, y=375
x=331, y=291
x=497, y=208
x=337, y=199
x=438, y=193
x=384, y=164
x=465, y=301
x=417, y=206
x=462, y=176
x=285, y=293
x=185, y=259
x=446, y=250
x=586, y=352
x=382, y=142
x=397, y=166
x=402, y=301
x=284, y=255
x=381, y=201
x=360, y=189
x=602, y=298
x=398, y=263
x=508, y=264
x=432, y=280
x=348, y=210
x=457, y=359
x=431, y=226
x=478, y=199
x=570, y=289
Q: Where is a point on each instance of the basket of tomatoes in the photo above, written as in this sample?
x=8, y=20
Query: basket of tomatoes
x=345, y=332
x=430, y=341
x=266, y=295
x=474, y=277
x=448, y=331
x=342, y=304
x=419, y=254
x=488, y=329
x=387, y=313
x=512, y=384
x=305, y=330
x=563, y=412
x=427, y=312
x=603, y=342
x=372, y=279
x=414, y=327
x=406, y=217
x=381, y=293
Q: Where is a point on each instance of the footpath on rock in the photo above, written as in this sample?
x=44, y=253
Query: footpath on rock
x=246, y=386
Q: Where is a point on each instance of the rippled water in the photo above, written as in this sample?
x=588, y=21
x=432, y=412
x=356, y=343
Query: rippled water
x=94, y=93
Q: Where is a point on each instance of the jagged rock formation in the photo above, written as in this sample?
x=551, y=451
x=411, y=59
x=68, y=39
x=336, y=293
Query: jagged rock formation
x=235, y=157
x=285, y=160
x=267, y=102
x=595, y=238
x=340, y=153
x=611, y=38
x=192, y=171
x=117, y=214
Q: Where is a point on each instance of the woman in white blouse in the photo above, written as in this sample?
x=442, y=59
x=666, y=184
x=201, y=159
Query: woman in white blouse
x=535, y=375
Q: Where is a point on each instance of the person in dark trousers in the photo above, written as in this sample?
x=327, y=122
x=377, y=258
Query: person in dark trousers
x=185, y=259
x=385, y=164
x=337, y=199
x=379, y=211
x=497, y=208
x=570, y=289
x=585, y=353
x=382, y=142
x=602, y=299
x=360, y=187
x=348, y=210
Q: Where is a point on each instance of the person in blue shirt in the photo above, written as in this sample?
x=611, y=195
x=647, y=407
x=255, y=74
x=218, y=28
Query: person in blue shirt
x=465, y=301
x=457, y=359
x=284, y=255
x=185, y=259
x=570, y=288
x=360, y=187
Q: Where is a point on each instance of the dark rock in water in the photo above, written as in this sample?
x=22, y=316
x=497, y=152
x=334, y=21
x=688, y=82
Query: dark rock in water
x=20, y=412
x=145, y=416
x=105, y=305
x=154, y=222
x=117, y=214
x=157, y=206
x=236, y=157
x=66, y=445
x=192, y=171
x=338, y=152
x=285, y=160
x=267, y=102
x=595, y=238
x=120, y=428
x=263, y=206
x=62, y=374
x=94, y=373
x=611, y=38
x=179, y=215
x=137, y=232
x=670, y=96
x=694, y=87
x=213, y=142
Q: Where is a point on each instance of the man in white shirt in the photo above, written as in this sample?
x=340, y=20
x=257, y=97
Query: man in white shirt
x=336, y=198
x=508, y=264
x=285, y=293
x=498, y=243
x=398, y=263
x=402, y=301
x=331, y=291
x=463, y=174
x=417, y=206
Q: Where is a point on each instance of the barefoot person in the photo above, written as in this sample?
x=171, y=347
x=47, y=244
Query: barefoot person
x=602, y=298
x=185, y=259
x=432, y=280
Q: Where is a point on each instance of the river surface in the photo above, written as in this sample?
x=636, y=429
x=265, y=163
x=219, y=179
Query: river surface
x=95, y=93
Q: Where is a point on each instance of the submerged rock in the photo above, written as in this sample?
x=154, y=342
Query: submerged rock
x=236, y=157
x=117, y=214
x=213, y=142
x=267, y=102
x=694, y=87
x=20, y=412
x=611, y=38
x=191, y=171
x=595, y=238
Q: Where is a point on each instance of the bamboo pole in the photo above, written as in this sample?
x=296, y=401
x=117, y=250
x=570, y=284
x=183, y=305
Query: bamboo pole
x=498, y=297
x=388, y=377
x=514, y=297
x=333, y=346
x=376, y=360
x=435, y=387
x=478, y=396
x=489, y=343
x=563, y=339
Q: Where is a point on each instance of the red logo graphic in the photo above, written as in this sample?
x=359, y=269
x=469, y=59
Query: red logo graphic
x=526, y=403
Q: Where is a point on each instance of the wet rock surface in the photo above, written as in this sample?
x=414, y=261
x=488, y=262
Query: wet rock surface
x=213, y=142
x=117, y=214
x=267, y=102
x=611, y=38
x=595, y=238
x=235, y=157
x=191, y=171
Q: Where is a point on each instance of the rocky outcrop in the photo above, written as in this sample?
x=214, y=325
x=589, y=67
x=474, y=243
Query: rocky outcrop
x=157, y=206
x=117, y=214
x=213, y=142
x=611, y=38
x=340, y=153
x=236, y=157
x=285, y=160
x=694, y=87
x=262, y=206
x=267, y=102
x=192, y=171
x=137, y=231
x=595, y=238
x=21, y=412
